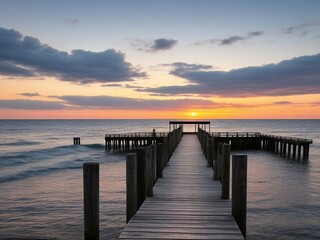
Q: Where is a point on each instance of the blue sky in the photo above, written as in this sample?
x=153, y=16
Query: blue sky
x=147, y=42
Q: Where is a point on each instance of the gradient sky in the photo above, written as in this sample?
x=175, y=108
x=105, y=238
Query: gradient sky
x=159, y=59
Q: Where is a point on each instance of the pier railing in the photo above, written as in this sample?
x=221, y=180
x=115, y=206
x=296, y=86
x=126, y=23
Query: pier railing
x=291, y=139
x=235, y=134
x=137, y=134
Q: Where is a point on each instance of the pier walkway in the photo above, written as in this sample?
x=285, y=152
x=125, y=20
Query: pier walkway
x=187, y=202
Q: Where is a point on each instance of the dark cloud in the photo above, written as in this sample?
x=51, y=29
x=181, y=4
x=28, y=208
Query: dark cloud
x=302, y=29
x=230, y=40
x=27, y=94
x=155, y=45
x=299, y=75
x=10, y=69
x=26, y=56
x=163, y=44
x=30, y=104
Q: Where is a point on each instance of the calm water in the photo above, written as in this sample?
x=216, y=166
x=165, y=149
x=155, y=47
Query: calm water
x=41, y=178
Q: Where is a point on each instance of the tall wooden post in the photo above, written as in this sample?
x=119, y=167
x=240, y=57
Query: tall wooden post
x=220, y=145
x=142, y=175
x=131, y=179
x=91, y=200
x=225, y=171
x=239, y=191
x=210, y=153
x=160, y=159
x=154, y=162
x=149, y=171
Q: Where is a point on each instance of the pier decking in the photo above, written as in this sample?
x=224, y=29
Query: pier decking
x=186, y=203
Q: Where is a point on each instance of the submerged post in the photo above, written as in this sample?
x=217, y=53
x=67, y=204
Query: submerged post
x=131, y=179
x=225, y=191
x=91, y=200
x=239, y=191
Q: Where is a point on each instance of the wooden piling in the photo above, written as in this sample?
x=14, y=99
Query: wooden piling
x=76, y=141
x=141, y=175
x=239, y=191
x=149, y=171
x=210, y=153
x=131, y=179
x=91, y=200
x=154, y=163
x=220, y=146
x=160, y=160
x=225, y=191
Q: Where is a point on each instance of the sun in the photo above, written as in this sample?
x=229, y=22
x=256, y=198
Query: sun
x=193, y=114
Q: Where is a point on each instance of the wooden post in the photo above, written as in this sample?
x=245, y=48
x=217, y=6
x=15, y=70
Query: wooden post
x=294, y=152
x=160, y=160
x=91, y=200
x=142, y=176
x=220, y=145
x=215, y=165
x=149, y=172
x=210, y=153
x=154, y=163
x=225, y=171
x=76, y=141
x=131, y=177
x=239, y=191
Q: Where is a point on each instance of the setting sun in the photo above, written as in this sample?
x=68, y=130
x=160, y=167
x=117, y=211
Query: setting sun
x=193, y=114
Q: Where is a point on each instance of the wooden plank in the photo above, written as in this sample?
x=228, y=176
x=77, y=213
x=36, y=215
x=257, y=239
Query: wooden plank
x=186, y=204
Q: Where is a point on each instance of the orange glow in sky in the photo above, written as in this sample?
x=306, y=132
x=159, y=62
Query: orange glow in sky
x=236, y=65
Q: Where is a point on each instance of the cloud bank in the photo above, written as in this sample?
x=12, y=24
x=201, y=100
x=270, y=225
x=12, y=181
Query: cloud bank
x=30, y=104
x=25, y=56
x=110, y=103
x=296, y=76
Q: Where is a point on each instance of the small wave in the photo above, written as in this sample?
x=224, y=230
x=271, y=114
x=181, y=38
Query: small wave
x=26, y=157
x=36, y=171
x=20, y=143
x=95, y=146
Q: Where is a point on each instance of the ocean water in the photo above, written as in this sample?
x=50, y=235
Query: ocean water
x=41, y=178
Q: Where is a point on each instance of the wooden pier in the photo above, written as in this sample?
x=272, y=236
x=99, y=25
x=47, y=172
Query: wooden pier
x=182, y=191
x=186, y=202
x=290, y=147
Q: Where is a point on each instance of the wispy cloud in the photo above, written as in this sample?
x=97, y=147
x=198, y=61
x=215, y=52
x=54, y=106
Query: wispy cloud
x=290, y=77
x=230, y=40
x=283, y=103
x=31, y=94
x=25, y=56
x=71, y=21
x=301, y=29
x=155, y=45
x=30, y=104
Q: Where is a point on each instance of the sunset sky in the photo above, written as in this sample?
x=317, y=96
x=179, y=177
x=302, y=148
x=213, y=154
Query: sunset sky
x=159, y=59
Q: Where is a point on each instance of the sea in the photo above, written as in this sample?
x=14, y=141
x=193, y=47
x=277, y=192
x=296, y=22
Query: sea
x=41, y=184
